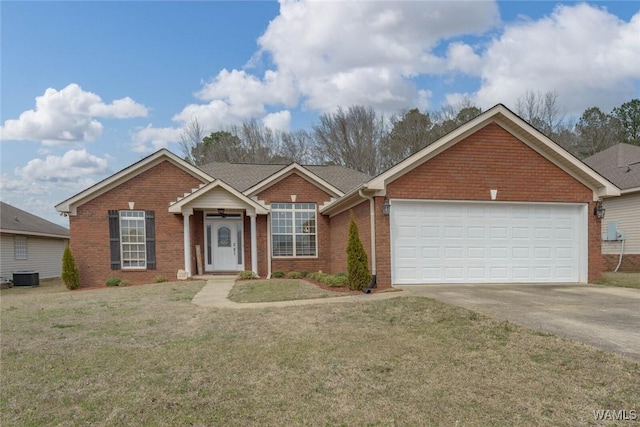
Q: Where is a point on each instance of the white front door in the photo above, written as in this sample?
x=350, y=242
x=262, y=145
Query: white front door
x=221, y=245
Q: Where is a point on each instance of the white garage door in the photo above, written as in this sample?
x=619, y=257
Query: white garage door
x=466, y=242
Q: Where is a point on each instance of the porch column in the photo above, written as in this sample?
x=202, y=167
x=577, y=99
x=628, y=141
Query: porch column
x=254, y=244
x=186, y=213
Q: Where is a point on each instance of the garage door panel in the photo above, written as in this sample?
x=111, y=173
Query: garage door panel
x=476, y=253
x=477, y=243
x=429, y=231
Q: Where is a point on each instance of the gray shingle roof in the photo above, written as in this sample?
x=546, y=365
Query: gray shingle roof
x=620, y=164
x=243, y=176
x=16, y=220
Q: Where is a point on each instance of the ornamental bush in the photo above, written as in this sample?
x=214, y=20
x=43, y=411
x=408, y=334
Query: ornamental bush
x=113, y=281
x=70, y=275
x=247, y=275
x=358, y=275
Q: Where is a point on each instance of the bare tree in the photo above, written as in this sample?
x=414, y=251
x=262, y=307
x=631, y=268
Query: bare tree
x=192, y=134
x=258, y=142
x=296, y=147
x=351, y=138
x=542, y=111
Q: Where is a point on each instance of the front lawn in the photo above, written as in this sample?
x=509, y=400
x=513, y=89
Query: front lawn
x=626, y=280
x=145, y=355
x=278, y=290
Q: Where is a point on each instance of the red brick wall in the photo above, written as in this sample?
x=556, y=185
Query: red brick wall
x=305, y=192
x=340, y=236
x=151, y=190
x=630, y=262
x=491, y=158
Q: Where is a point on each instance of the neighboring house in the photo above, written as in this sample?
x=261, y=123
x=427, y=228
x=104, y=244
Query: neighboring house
x=492, y=201
x=30, y=243
x=620, y=164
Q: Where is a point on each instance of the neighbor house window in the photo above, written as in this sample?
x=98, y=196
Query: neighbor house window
x=132, y=237
x=293, y=229
x=20, y=247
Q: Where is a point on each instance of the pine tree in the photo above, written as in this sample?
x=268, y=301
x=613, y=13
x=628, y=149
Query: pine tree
x=358, y=275
x=69, y=271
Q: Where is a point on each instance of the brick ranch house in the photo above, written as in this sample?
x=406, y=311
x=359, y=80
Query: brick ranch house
x=493, y=201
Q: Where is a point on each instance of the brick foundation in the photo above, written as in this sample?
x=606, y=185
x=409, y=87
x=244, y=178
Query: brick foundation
x=630, y=262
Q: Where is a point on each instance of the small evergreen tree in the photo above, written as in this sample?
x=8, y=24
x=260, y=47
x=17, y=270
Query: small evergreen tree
x=357, y=261
x=69, y=270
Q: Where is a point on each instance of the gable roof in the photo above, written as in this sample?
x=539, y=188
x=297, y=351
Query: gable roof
x=176, y=206
x=246, y=176
x=620, y=164
x=17, y=221
x=522, y=130
x=241, y=176
x=343, y=178
x=70, y=205
x=509, y=121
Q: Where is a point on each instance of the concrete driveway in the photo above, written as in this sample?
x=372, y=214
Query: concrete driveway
x=604, y=317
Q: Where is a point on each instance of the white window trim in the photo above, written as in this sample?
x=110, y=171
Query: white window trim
x=20, y=247
x=122, y=244
x=293, y=234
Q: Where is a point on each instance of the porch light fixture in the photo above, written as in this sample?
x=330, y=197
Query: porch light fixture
x=386, y=207
x=598, y=210
x=221, y=211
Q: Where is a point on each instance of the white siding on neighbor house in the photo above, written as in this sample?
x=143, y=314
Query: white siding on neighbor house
x=625, y=210
x=44, y=255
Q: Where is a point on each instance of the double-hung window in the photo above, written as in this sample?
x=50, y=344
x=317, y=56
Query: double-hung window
x=20, y=247
x=133, y=239
x=293, y=230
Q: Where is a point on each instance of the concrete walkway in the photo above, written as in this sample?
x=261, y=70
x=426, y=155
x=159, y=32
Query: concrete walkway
x=215, y=295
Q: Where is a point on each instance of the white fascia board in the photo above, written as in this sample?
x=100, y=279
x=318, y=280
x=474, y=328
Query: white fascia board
x=415, y=160
x=70, y=205
x=178, y=206
x=285, y=172
x=629, y=191
x=35, y=234
x=601, y=186
x=349, y=200
x=502, y=116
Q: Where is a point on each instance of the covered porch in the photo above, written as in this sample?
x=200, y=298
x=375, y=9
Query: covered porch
x=219, y=229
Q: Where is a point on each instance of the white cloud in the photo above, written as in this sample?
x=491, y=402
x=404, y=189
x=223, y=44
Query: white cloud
x=68, y=117
x=585, y=54
x=151, y=138
x=461, y=57
x=278, y=121
x=75, y=166
x=365, y=52
x=329, y=54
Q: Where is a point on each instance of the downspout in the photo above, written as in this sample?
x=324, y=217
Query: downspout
x=372, y=219
x=269, y=245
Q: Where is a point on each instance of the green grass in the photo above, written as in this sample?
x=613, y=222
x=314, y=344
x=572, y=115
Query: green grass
x=277, y=290
x=625, y=280
x=145, y=355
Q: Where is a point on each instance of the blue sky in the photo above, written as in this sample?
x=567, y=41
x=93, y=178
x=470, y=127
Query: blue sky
x=88, y=88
